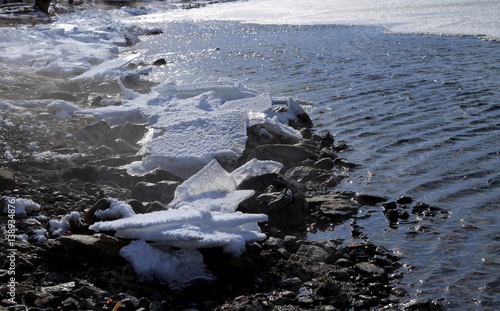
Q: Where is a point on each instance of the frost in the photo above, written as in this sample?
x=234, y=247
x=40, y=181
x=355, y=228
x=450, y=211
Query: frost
x=175, y=268
x=22, y=206
x=60, y=227
x=62, y=109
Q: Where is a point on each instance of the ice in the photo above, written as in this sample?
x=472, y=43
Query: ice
x=202, y=213
x=117, y=209
x=456, y=17
x=62, y=109
x=60, y=227
x=22, y=206
x=176, y=268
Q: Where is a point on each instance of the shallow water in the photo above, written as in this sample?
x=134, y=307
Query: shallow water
x=420, y=113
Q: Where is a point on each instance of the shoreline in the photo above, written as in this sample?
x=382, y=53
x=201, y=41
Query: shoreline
x=284, y=272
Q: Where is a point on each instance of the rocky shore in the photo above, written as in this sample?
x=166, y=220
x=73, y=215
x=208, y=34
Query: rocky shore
x=82, y=270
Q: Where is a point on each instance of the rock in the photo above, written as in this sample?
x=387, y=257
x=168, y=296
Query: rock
x=90, y=291
x=421, y=304
x=137, y=206
x=160, y=62
x=288, y=155
x=399, y=291
x=314, y=252
x=59, y=289
x=258, y=302
x=41, y=299
x=162, y=191
x=132, y=133
x=85, y=173
x=369, y=269
x=337, y=207
x=343, y=262
x=389, y=205
x=314, y=178
x=122, y=146
x=7, y=180
x=114, y=161
x=404, y=200
x=262, y=183
x=70, y=251
x=302, y=120
x=324, y=164
x=156, y=206
x=96, y=134
x=292, y=284
x=327, y=140
x=261, y=134
x=368, y=199
x=89, y=216
x=286, y=209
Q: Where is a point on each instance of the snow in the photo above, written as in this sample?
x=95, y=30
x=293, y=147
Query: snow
x=175, y=268
x=22, y=206
x=117, y=209
x=62, y=109
x=60, y=227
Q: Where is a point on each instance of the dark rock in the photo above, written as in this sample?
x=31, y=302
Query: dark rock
x=399, y=291
x=137, y=206
x=305, y=301
x=404, y=200
x=369, y=269
x=7, y=180
x=324, y=164
x=302, y=120
x=288, y=155
x=90, y=291
x=327, y=140
x=115, y=161
x=343, y=262
x=313, y=178
x=160, y=62
x=89, y=216
x=70, y=304
x=59, y=289
x=41, y=299
x=132, y=133
x=313, y=252
x=70, y=251
x=368, y=199
x=62, y=95
x=96, y=134
x=160, y=175
x=162, y=191
x=391, y=215
x=85, y=173
x=258, y=302
x=337, y=207
x=156, y=206
x=122, y=146
x=292, y=284
x=262, y=183
x=389, y=205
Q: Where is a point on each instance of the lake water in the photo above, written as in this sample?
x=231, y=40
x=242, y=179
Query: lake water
x=421, y=114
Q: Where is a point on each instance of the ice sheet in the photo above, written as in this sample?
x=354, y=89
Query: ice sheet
x=457, y=17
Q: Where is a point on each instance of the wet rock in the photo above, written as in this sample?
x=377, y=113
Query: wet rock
x=122, y=146
x=399, y=291
x=160, y=62
x=368, y=199
x=421, y=304
x=137, y=206
x=162, y=191
x=369, y=269
x=261, y=134
x=7, y=180
x=337, y=207
x=404, y=200
x=292, y=284
x=288, y=155
x=302, y=120
x=114, y=161
x=327, y=140
x=314, y=178
x=60, y=289
x=258, y=302
x=389, y=205
x=156, y=206
x=324, y=164
x=286, y=209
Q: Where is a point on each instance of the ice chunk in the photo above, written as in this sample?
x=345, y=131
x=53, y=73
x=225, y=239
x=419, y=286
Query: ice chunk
x=60, y=227
x=176, y=268
x=254, y=168
x=22, y=207
x=117, y=209
x=62, y=109
x=107, y=70
x=189, y=227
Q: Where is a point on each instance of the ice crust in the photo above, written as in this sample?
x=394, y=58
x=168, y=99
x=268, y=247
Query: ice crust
x=202, y=214
x=21, y=206
x=187, y=133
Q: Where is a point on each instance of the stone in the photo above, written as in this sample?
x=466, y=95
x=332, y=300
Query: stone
x=314, y=178
x=89, y=216
x=368, y=199
x=96, y=134
x=72, y=250
x=338, y=207
x=314, y=252
x=369, y=269
x=288, y=155
x=122, y=146
x=90, y=291
x=302, y=120
x=85, y=174
x=132, y=133
x=7, y=180
x=292, y=284
x=324, y=164
x=421, y=304
x=399, y=291
x=404, y=200
x=162, y=191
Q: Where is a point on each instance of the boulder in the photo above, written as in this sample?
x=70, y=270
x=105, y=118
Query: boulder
x=314, y=178
x=97, y=134
x=132, y=133
x=338, y=207
x=7, y=180
x=162, y=191
x=288, y=155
